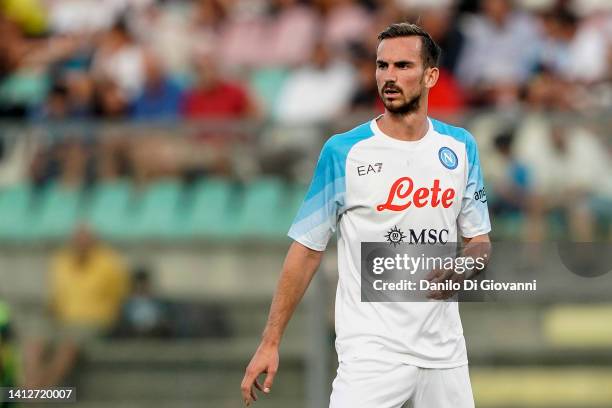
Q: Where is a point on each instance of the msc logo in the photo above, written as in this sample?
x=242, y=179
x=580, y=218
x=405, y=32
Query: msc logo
x=448, y=158
x=395, y=236
x=428, y=236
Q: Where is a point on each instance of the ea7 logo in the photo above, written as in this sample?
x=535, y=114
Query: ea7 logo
x=370, y=168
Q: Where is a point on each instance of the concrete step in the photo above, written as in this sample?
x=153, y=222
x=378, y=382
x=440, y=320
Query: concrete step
x=264, y=402
x=197, y=384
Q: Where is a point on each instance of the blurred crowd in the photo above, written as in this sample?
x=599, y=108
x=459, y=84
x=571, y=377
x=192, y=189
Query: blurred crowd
x=281, y=66
x=290, y=60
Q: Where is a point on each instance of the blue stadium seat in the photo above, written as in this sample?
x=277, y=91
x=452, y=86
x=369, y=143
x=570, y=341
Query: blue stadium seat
x=212, y=211
x=262, y=209
x=14, y=212
x=56, y=213
x=157, y=216
x=108, y=209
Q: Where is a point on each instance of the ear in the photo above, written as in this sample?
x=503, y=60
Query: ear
x=430, y=77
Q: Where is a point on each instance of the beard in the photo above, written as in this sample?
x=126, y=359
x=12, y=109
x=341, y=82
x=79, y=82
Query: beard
x=410, y=106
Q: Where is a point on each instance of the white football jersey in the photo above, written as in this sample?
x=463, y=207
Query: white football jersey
x=367, y=183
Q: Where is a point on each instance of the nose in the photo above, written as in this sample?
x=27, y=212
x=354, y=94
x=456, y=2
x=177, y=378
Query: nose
x=390, y=75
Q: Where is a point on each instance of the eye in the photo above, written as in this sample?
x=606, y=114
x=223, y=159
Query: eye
x=381, y=65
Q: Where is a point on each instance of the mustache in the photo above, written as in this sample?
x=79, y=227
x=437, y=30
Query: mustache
x=391, y=87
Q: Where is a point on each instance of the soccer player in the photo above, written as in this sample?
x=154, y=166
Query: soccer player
x=401, y=170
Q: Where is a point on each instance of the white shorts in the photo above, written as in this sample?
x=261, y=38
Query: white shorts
x=365, y=382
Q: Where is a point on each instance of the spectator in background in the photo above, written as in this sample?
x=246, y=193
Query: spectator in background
x=274, y=33
x=160, y=97
x=438, y=18
x=545, y=92
x=446, y=99
x=70, y=97
x=88, y=286
x=344, y=22
x=56, y=106
x=237, y=29
x=172, y=36
x=365, y=97
x=83, y=16
x=120, y=60
x=561, y=182
x=573, y=50
x=110, y=102
x=508, y=176
x=573, y=65
x=81, y=90
x=18, y=86
x=318, y=91
x=291, y=33
x=500, y=52
x=143, y=314
x=215, y=96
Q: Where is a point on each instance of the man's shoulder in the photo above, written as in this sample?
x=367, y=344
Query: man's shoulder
x=341, y=143
x=458, y=133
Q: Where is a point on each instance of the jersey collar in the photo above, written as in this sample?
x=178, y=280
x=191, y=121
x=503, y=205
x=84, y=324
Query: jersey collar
x=401, y=143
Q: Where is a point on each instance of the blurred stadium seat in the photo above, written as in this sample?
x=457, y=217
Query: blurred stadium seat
x=108, y=208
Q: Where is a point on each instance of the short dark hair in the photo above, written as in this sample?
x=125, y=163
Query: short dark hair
x=430, y=51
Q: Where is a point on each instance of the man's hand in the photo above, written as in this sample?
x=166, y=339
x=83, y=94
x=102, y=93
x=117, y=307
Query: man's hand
x=265, y=360
x=300, y=266
x=475, y=247
x=444, y=275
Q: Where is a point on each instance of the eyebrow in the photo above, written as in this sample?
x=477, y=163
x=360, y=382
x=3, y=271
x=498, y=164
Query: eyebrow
x=400, y=62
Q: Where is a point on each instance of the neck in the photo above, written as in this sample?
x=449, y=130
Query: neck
x=407, y=127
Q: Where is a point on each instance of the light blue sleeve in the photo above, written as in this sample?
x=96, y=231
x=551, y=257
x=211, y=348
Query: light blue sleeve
x=317, y=218
x=474, y=216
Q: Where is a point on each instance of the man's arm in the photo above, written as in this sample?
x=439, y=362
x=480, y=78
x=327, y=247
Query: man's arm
x=300, y=266
x=478, y=247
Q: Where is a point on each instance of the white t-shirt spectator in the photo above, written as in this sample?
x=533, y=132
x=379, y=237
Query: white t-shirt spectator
x=498, y=55
x=583, y=58
x=311, y=95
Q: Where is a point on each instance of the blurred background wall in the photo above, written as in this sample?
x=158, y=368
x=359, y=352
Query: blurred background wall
x=153, y=155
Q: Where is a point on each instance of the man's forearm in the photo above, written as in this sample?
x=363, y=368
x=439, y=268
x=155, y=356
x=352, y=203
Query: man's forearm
x=478, y=247
x=300, y=266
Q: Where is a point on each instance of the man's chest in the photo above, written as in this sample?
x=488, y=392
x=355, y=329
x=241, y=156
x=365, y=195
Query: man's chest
x=384, y=179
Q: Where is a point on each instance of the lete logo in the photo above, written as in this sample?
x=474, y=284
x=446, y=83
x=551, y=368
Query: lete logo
x=401, y=196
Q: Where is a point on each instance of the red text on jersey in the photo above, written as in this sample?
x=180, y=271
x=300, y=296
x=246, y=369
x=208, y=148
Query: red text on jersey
x=403, y=194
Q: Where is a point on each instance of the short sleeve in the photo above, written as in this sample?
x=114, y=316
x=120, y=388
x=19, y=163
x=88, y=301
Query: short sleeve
x=317, y=217
x=474, y=216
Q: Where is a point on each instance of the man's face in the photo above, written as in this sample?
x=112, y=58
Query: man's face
x=400, y=74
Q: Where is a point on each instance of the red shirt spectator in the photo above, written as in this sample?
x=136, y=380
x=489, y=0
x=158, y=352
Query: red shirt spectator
x=222, y=100
x=214, y=96
x=447, y=96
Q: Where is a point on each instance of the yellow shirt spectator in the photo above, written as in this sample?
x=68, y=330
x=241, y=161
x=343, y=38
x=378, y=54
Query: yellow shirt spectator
x=88, y=289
